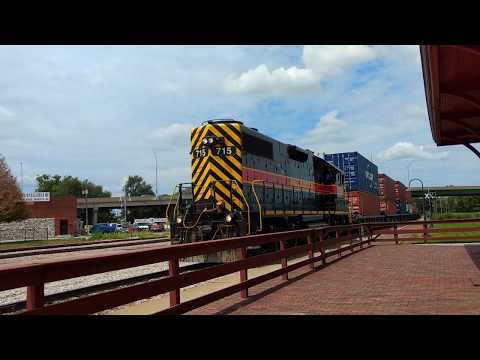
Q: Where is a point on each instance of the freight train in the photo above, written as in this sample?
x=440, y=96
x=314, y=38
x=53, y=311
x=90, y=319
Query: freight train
x=245, y=183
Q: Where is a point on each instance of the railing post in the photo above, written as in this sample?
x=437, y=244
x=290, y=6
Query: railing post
x=35, y=296
x=321, y=237
x=284, y=260
x=173, y=270
x=395, y=233
x=425, y=230
x=310, y=249
x=243, y=273
x=337, y=238
x=361, y=240
x=350, y=236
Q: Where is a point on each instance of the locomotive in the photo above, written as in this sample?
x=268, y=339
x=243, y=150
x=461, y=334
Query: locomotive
x=245, y=183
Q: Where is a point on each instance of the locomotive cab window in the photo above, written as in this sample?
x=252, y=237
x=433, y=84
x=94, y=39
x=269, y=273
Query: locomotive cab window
x=257, y=146
x=297, y=154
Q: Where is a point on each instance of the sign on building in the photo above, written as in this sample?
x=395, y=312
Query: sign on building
x=36, y=196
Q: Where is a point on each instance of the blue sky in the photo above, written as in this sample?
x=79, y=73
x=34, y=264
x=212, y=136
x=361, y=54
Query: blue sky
x=98, y=112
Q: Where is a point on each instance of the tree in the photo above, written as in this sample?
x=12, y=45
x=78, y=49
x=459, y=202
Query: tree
x=12, y=206
x=136, y=186
x=69, y=185
x=107, y=216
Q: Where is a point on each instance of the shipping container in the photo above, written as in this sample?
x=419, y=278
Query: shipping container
x=411, y=208
x=360, y=173
x=388, y=207
x=408, y=196
x=363, y=203
x=386, y=187
x=401, y=207
x=400, y=191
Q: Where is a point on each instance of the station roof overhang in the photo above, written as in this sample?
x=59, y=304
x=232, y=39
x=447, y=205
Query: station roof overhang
x=451, y=76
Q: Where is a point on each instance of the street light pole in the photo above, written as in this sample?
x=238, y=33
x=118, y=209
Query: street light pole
x=408, y=169
x=156, y=173
x=423, y=197
x=85, y=192
x=125, y=206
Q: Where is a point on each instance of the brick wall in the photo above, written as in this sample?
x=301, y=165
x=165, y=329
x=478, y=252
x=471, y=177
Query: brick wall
x=59, y=208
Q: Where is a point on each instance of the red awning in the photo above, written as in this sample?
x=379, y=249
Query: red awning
x=452, y=84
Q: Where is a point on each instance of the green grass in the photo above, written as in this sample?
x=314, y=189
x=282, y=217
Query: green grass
x=81, y=240
x=451, y=216
x=456, y=215
x=460, y=233
x=457, y=225
x=140, y=234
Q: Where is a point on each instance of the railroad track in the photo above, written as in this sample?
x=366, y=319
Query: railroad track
x=15, y=307
x=11, y=253
x=89, y=243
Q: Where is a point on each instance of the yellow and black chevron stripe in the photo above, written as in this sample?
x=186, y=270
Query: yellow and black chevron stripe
x=212, y=175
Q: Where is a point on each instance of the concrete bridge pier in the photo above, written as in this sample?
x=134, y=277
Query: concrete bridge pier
x=95, y=215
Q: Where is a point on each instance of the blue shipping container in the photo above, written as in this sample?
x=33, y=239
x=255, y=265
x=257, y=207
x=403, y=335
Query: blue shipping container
x=401, y=207
x=360, y=173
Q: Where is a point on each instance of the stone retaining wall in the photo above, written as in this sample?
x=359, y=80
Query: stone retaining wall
x=29, y=229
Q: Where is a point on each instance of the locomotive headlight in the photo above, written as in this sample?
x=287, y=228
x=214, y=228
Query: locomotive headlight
x=228, y=218
x=210, y=141
x=179, y=219
x=205, y=141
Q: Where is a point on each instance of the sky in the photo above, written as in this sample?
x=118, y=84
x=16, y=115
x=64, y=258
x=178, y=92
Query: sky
x=100, y=112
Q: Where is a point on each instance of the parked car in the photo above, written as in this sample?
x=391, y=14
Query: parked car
x=119, y=228
x=103, y=228
x=141, y=227
x=157, y=227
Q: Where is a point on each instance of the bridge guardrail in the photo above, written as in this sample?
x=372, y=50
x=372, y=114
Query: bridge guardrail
x=34, y=276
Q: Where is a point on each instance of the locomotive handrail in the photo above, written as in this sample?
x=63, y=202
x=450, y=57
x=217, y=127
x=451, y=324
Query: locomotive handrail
x=169, y=202
x=246, y=203
x=35, y=275
x=258, y=202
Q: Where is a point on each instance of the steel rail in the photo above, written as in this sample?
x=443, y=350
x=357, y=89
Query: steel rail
x=74, y=248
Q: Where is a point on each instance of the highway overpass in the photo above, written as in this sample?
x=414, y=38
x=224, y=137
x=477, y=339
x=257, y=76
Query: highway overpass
x=446, y=190
x=110, y=203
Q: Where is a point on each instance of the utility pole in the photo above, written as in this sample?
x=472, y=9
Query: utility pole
x=156, y=174
x=21, y=174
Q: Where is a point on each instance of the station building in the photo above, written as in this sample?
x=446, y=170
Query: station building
x=63, y=209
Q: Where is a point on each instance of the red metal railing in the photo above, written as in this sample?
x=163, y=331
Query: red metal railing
x=326, y=242
x=426, y=228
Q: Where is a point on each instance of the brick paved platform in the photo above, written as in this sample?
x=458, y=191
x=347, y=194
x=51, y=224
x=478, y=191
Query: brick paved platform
x=383, y=279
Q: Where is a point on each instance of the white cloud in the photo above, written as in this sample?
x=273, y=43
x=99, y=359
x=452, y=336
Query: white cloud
x=320, y=62
x=329, y=130
x=408, y=150
x=4, y=111
x=171, y=135
x=329, y=60
x=262, y=80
